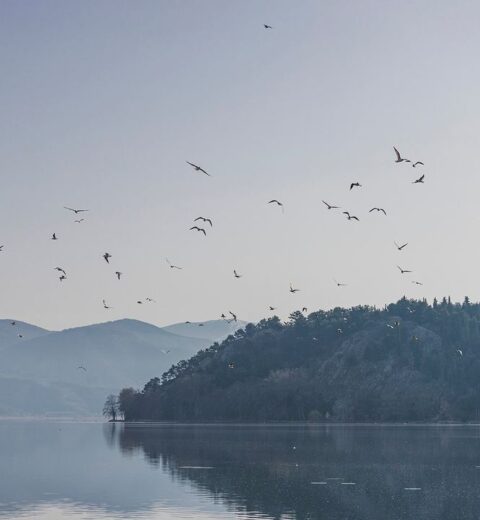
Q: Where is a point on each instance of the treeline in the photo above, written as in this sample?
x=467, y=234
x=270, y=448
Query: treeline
x=410, y=361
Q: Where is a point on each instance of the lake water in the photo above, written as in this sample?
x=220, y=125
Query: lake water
x=66, y=470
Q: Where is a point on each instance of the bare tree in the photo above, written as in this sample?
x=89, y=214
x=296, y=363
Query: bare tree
x=110, y=408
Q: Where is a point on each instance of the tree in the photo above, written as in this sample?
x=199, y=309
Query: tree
x=110, y=408
x=126, y=403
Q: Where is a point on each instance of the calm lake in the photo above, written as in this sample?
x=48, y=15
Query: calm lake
x=66, y=470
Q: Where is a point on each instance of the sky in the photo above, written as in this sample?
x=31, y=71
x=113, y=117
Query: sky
x=103, y=102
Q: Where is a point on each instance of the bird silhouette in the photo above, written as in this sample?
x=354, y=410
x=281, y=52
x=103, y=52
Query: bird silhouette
x=203, y=219
x=417, y=283
x=107, y=257
x=400, y=248
x=139, y=302
x=399, y=157
x=150, y=300
x=81, y=368
x=351, y=217
x=339, y=284
x=272, y=308
x=267, y=26
x=60, y=270
x=1, y=248
x=118, y=274
x=223, y=316
x=329, y=206
x=292, y=290
x=172, y=266
x=234, y=316
x=199, y=229
x=277, y=202
x=304, y=309
x=417, y=163
x=379, y=209
x=79, y=220
x=105, y=306
x=62, y=277
x=403, y=271
x=355, y=185
x=76, y=211
x=420, y=180
x=236, y=274
x=198, y=168
x=54, y=236
x=13, y=323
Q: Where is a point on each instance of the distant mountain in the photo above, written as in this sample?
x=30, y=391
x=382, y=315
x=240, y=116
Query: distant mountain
x=40, y=374
x=214, y=330
x=410, y=361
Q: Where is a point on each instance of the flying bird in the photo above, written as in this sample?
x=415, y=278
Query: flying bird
x=415, y=164
x=234, y=316
x=60, y=270
x=20, y=336
x=151, y=300
x=271, y=308
x=54, y=237
x=76, y=211
x=399, y=157
x=236, y=274
x=277, y=202
x=329, y=206
x=460, y=352
x=118, y=274
x=198, y=168
x=401, y=247
x=223, y=316
x=267, y=26
x=107, y=257
x=292, y=290
x=139, y=302
x=79, y=220
x=403, y=271
x=417, y=283
x=339, y=284
x=105, y=306
x=420, y=180
x=62, y=277
x=379, y=209
x=351, y=217
x=172, y=266
x=355, y=185
x=199, y=229
x=203, y=219
x=81, y=368
x=1, y=248
x=304, y=309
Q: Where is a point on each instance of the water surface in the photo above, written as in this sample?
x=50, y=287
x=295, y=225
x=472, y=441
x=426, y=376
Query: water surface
x=60, y=470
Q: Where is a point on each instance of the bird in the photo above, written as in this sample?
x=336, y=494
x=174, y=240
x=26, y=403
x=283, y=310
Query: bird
x=76, y=211
x=420, y=180
x=400, y=247
x=403, y=271
x=223, y=316
x=54, y=237
x=267, y=26
x=198, y=168
x=203, y=219
x=139, y=302
x=107, y=257
x=236, y=274
x=292, y=290
x=351, y=217
x=81, y=368
x=165, y=351
x=60, y=270
x=277, y=202
x=62, y=277
x=329, y=206
x=20, y=335
x=355, y=185
x=150, y=300
x=271, y=308
x=199, y=229
x=460, y=352
x=379, y=209
x=417, y=283
x=234, y=316
x=417, y=163
x=304, y=309
x=79, y=220
x=339, y=284
x=118, y=274
x=172, y=266
x=1, y=248
x=399, y=157
x=105, y=306
x=13, y=323
x=339, y=331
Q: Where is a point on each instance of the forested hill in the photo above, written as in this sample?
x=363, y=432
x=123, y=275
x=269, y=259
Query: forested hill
x=410, y=361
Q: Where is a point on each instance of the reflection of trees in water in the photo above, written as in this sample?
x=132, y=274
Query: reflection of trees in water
x=259, y=470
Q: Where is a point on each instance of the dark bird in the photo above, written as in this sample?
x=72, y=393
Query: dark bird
x=401, y=247
x=203, y=219
x=1, y=248
x=199, y=229
x=107, y=257
x=234, y=316
x=13, y=323
x=272, y=308
x=79, y=220
x=379, y=209
x=20, y=336
x=277, y=202
x=62, y=277
x=172, y=266
x=292, y=290
x=60, y=270
x=236, y=274
x=355, y=184
x=82, y=368
x=150, y=300
x=329, y=206
x=105, y=306
x=417, y=283
x=415, y=164
x=420, y=180
x=304, y=309
x=403, y=271
x=399, y=157
x=351, y=217
x=198, y=168
x=223, y=316
x=76, y=211
x=267, y=26
x=339, y=284
x=54, y=237
x=118, y=274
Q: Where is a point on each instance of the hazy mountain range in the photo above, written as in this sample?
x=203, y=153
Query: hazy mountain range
x=40, y=370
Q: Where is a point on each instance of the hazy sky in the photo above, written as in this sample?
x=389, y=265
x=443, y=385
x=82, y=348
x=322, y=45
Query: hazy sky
x=102, y=102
